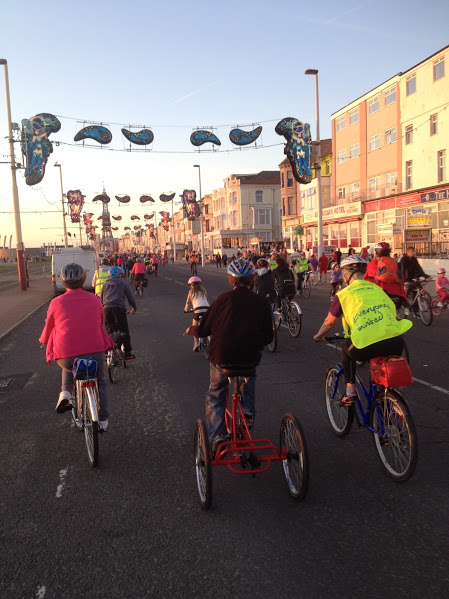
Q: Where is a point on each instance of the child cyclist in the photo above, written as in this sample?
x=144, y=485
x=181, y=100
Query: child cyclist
x=336, y=278
x=241, y=324
x=442, y=286
x=197, y=298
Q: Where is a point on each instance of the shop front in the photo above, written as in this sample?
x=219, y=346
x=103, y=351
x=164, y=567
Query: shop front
x=341, y=226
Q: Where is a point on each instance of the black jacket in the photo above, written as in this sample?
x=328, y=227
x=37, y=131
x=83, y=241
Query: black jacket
x=411, y=268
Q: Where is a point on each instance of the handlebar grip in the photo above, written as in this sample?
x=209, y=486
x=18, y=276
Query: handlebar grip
x=334, y=338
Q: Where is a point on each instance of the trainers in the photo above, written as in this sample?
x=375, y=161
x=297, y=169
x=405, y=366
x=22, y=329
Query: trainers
x=440, y=305
x=64, y=404
x=196, y=346
x=406, y=311
x=104, y=425
x=130, y=357
x=216, y=444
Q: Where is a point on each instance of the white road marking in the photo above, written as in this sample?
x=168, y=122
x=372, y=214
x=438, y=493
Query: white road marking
x=178, y=283
x=62, y=475
x=435, y=387
x=41, y=592
x=32, y=379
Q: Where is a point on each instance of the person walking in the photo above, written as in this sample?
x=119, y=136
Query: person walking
x=218, y=259
x=323, y=263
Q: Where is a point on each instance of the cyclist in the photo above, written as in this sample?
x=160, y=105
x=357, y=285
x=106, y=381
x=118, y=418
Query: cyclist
x=301, y=266
x=138, y=272
x=100, y=276
x=193, y=261
x=369, y=321
x=384, y=271
x=197, y=298
x=411, y=268
x=114, y=294
x=74, y=329
x=240, y=323
x=285, y=281
x=442, y=287
x=336, y=278
x=273, y=257
x=264, y=281
x=147, y=262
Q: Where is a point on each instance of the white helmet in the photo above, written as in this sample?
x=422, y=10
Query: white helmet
x=354, y=263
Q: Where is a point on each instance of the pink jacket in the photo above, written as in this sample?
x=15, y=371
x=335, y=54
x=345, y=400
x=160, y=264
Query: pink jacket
x=441, y=283
x=74, y=326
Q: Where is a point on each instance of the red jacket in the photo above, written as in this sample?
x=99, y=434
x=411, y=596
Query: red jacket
x=138, y=269
x=390, y=288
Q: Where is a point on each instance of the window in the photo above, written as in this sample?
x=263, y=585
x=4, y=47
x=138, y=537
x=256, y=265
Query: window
x=328, y=167
x=355, y=190
x=374, y=184
x=390, y=136
x=262, y=216
x=282, y=179
x=259, y=196
x=374, y=142
x=391, y=182
x=410, y=85
x=373, y=105
x=291, y=207
x=409, y=174
x=341, y=122
x=438, y=68
x=390, y=96
x=353, y=116
x=341, y=157
x=433, y=124
x=441, y=166
x=289, y=179
x=234, y=197
x=409, y=135
x=341, y=193
x=354, y=151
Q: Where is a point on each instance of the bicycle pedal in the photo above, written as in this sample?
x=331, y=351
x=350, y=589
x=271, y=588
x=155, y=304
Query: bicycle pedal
x=253, y=461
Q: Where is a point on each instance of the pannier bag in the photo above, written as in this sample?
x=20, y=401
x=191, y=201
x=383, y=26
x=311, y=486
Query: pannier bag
x=84, y=370
x=391, y=372
x=145, y=282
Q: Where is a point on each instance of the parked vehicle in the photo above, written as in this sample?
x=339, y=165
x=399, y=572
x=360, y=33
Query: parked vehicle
x=85, y=257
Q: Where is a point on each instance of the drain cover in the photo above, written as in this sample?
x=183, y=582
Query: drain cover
x=4, y=382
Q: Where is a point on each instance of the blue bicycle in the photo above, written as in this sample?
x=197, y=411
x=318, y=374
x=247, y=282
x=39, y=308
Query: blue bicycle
x=386, y=415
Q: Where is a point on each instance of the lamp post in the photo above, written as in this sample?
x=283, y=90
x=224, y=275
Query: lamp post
x=62, y=200
x=15, y=192
x=201, y=216
x=318, y=159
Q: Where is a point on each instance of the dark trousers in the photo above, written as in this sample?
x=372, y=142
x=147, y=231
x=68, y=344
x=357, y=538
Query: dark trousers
x=300, y=276
x=350, y=354
x=116, y=321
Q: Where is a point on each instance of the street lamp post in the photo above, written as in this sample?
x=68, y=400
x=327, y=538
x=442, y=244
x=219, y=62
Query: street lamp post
x=201, y=216
x=15, y=192
x=318, y=159
x=63, y=208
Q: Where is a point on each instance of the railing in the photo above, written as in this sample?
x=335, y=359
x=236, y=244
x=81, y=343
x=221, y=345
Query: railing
x=434, y=249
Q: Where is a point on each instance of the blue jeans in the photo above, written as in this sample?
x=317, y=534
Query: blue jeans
x=216, y=401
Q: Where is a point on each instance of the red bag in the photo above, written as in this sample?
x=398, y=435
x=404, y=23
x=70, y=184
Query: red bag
x=387, y=270
x=391, y=372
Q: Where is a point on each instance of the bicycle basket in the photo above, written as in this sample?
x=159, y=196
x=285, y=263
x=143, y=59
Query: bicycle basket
x=391, y=372
x=84, y=370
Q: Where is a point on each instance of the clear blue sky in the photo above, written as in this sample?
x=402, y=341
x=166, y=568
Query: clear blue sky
x=175, y=66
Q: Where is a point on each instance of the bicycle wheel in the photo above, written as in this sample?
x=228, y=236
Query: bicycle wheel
x=436, y=309
x=203, y=466
x=294, y=319
x=296, y=465
x=90, y=431
x=273, y=345
x=396, y=441
x=76, y=410
x=425, y=311
x=206, y=347
x=340, y=417
x=112, y=365
x=306, y=287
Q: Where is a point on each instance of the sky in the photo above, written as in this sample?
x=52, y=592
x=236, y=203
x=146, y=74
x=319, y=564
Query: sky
x=177, y=66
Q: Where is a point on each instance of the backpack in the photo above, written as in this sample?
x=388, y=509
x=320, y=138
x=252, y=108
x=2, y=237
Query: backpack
x=388, y=270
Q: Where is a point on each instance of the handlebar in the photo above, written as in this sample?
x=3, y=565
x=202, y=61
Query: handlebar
x=334, y=338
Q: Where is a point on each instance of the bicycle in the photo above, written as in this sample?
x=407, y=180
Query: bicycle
x=243, y=454
x=86, y=405
x=387, y=416
x=436, y=309
x=193, y=269
x=139, y=286
x=115, y=356
x=419, y=300
x=203, y=341
x=291, y=313
x=306, y=285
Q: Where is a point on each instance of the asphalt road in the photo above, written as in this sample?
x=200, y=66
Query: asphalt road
x=133, y=528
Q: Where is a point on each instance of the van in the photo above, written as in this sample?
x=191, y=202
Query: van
x=84, y=257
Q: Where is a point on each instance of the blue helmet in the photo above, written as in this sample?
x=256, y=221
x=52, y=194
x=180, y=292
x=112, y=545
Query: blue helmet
x=115, y=272
x=240, y=268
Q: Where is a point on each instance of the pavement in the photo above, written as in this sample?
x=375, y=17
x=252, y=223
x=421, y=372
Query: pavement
x=17, y=306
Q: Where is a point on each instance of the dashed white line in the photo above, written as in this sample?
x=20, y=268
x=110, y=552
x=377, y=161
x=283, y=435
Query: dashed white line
x=62, y=475
x=435, y=387
x=32, y=379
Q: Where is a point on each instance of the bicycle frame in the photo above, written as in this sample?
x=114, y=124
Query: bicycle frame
x=232, y=453
x=80, y=385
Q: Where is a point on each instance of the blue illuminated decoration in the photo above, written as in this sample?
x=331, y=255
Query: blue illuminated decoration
x=298, y=147
x=95, y=132
x=200, y=137
x=243, y=138
x=141, y=138
x=36, y=147
x=167, y=198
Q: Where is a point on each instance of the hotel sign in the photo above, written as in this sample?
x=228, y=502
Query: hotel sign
x=434, y=196
x=419, y=218
x=333, y=212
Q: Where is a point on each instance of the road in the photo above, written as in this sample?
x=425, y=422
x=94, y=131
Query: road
x=133, y=527
x=9, y=278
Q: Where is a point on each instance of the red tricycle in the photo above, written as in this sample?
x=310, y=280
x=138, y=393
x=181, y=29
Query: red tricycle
x=243, y=454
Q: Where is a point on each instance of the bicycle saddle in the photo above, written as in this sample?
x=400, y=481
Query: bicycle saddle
x=235, y=371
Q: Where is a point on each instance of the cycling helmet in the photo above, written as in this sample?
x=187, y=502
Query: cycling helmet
x=441, y=271
x=240, y=268
x=138, y=259
x=262, y=263
x=115, y=272
x=382, y=248
x=194, y=281
x=73, y=275
x=354, y=263
x=106, y=262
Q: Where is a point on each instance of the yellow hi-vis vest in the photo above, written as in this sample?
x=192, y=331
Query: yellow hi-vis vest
x=369, y=315
x=302, y=265
x=273, y=264
x=100, y=278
